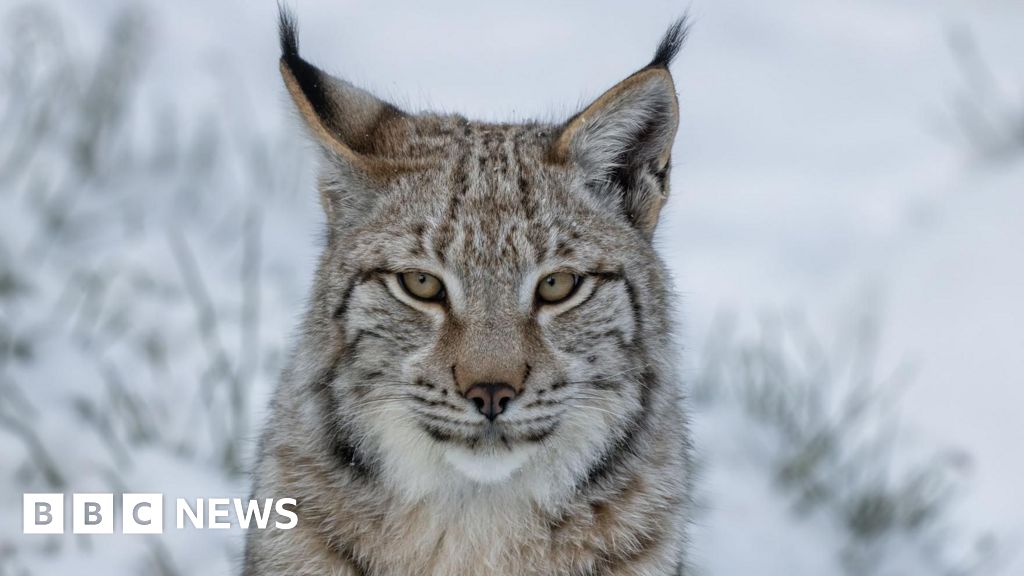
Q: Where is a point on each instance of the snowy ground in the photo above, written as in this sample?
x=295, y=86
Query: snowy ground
x=837, y=161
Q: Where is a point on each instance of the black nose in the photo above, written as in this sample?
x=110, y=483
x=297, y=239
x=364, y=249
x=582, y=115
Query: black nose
x=491, y=399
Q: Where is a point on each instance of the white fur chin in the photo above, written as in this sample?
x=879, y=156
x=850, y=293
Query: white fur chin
x=489, y=468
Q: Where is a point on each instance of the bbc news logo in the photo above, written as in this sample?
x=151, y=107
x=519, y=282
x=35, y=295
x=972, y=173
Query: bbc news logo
x=144, y=513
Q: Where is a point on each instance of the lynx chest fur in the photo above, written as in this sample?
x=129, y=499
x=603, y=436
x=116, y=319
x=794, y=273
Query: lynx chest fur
x=484, y=381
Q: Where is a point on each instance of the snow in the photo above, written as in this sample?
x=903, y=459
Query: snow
x=822, y=166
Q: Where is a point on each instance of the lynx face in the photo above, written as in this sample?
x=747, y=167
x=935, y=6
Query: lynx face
x=489, y=293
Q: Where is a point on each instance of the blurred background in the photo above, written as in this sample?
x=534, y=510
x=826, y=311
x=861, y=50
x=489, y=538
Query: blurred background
x=846, y=233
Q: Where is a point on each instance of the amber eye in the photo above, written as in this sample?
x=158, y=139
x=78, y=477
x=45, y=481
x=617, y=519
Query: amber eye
x=421, y=285
x=556, y=287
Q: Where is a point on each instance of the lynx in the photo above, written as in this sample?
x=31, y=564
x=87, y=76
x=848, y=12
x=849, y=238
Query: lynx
x=484, y=381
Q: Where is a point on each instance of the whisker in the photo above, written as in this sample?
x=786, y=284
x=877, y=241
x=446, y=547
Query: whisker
x=438, y=418
x=598, y=409
x=535, y=419
x=372, y=401
x=606, y=377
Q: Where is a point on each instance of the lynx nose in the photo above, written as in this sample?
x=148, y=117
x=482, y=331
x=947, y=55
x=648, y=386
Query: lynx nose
x=491, y=399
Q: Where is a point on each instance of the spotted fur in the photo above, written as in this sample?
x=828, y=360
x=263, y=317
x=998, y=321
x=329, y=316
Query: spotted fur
x=394, y=471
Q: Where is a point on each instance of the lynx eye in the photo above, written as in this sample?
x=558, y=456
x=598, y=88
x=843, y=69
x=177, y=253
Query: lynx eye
x=421, y=285
x=557, y=287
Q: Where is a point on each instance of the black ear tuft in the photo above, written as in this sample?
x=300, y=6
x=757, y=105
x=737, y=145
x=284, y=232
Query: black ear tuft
x=674, y=39
x=288, y=32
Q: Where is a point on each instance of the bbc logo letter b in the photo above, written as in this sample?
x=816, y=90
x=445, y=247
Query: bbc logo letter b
x=92, y=513
x=43, y=514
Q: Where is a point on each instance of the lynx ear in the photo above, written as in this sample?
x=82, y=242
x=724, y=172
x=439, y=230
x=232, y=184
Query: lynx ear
x=344, y=119
x=623, y=140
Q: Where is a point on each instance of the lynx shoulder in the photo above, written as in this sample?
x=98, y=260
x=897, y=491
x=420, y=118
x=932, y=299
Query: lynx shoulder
x=484, y=381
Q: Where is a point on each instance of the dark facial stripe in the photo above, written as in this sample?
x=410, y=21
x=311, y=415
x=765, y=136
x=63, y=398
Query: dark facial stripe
x=419, y=246
x=435, y=403
x=614, y=457
x=458, y=188
x=618, y=455
x=563, y=249
x=589, y=296
x=354, y=344
x=344, y=449
x=539, y=435
x=436, y=433
x=603, y=278
x=362, y=277
x=535, y=235
x=634, y=304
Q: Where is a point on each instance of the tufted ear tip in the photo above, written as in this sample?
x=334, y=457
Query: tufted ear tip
x=671, y=43
x=622, y=142
x=287, y=30
x=347, y=122
x=343, y=117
